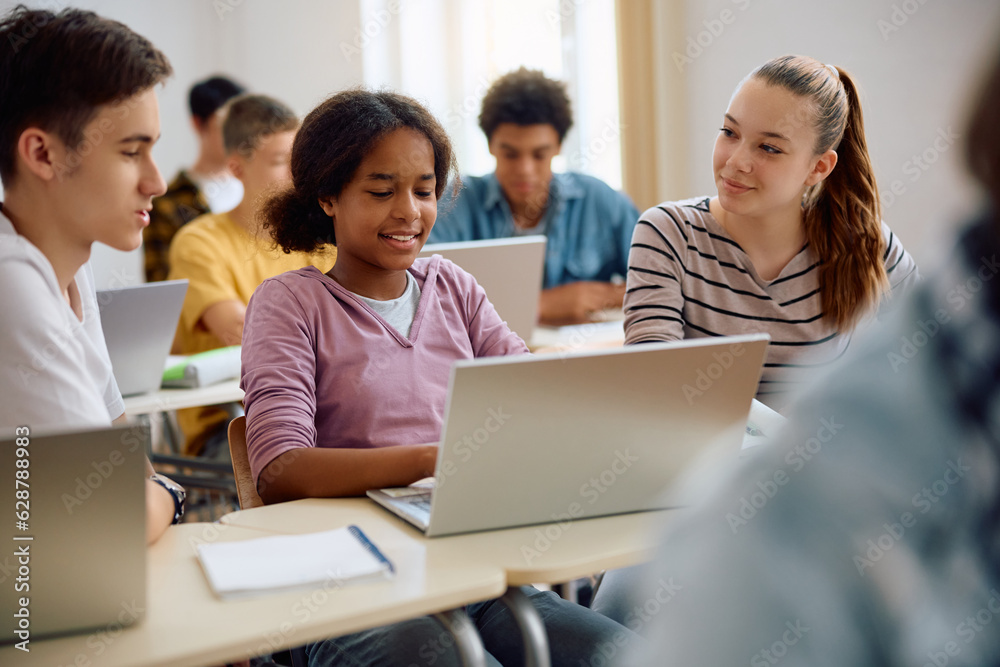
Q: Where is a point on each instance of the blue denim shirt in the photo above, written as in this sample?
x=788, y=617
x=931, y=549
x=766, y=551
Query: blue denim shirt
x=588, y=225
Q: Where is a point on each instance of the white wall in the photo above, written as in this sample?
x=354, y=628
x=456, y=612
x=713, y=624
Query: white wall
x=290, y=50
x=444, y=52
x=914, y=78
x=914, y=60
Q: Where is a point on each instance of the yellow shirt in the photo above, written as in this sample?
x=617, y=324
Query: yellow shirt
x=222, y=262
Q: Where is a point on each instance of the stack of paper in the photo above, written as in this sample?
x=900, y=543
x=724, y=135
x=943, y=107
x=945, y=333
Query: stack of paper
x=279, y=563
x=762, y=425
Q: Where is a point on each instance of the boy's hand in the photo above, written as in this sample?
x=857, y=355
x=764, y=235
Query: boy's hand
x=577, y=303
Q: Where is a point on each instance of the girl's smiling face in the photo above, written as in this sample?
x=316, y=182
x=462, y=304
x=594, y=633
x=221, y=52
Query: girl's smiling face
x=383, y=215
x=764, y=158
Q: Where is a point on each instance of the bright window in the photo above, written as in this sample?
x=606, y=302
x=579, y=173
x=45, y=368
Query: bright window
x=447, y=52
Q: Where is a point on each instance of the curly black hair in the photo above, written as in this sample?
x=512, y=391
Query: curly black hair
x=329, y=147
x=526, y=97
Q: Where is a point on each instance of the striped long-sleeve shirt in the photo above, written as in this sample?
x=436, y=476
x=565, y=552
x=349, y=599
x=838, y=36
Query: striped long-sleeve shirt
x=688, y=278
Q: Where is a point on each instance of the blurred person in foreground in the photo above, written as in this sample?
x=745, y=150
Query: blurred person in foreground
x=869, y=534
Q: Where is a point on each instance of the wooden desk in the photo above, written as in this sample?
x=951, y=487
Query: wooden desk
x=177, y=399
x=186, y=624
x=548, y=553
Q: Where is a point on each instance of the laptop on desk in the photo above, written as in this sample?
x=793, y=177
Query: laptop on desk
x=509, y=270
x=139, y=323
x=75, y=558
x=534, y=439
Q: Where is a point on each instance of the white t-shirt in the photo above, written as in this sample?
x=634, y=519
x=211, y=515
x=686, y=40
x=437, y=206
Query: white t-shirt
x=222, y=192
x=54, y=369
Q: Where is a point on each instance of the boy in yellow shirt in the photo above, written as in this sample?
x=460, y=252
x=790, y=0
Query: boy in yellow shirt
x=225, y=256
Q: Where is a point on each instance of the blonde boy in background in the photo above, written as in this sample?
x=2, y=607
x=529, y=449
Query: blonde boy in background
x=224, y=256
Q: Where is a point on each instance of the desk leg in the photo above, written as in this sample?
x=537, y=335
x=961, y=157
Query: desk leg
x=529, y=622
x=467, y=640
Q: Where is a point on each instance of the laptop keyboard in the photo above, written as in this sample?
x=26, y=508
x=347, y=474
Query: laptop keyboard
x=421, y=502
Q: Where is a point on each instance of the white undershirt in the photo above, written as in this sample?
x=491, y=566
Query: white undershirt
x=398, y=313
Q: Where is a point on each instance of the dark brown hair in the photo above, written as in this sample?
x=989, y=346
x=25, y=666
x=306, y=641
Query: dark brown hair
x=329, y=147
x=57, y=70
x=526, y=97
x=842, y=217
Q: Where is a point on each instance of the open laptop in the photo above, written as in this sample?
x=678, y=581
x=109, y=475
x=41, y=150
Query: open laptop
x=510, y=270
x=534, y=439
x=139, y=323
x=78, y=560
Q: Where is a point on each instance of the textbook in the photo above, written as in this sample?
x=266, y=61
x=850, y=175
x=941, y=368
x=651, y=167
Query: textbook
x=332, y=558
x=203, y=369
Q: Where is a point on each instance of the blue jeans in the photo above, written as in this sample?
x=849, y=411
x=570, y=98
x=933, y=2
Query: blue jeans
x=577, y=636
x=616, y=596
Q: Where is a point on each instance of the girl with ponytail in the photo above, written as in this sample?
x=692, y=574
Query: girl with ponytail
x=793, y=244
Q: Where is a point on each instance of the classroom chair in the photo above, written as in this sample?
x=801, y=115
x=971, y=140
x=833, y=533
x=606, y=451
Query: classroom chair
x=248, y=496
x=245, y=489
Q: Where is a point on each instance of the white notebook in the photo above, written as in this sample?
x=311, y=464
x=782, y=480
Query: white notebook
x=287, y=562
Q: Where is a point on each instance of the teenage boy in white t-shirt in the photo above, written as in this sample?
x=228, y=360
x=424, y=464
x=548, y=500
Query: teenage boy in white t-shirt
x=78, y=120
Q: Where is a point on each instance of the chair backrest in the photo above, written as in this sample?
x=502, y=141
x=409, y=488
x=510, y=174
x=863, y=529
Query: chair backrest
x=245, y=487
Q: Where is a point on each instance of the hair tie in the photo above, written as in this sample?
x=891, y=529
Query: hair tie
x=833, y=69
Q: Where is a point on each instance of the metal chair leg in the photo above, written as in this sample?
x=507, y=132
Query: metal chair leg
x=467, y=640
x=529, y=622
